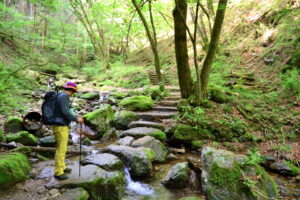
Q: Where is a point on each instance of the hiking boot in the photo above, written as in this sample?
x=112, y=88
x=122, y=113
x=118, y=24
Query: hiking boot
x=68, y=170
x=62, y=177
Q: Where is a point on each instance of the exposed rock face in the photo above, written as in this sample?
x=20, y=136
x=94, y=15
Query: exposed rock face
x=124, y=118
x=137, y=103
x=14, y=168
x=104, y=160
x=90, y=96
x=178, y=176
x=74, y=194
x=226, y=175
x=101, y=119
x=160, y=150
x=138, y=160
x=13, y=125
x=144, y=131
x=126, y=141
x=23, y=137
x=99, y=183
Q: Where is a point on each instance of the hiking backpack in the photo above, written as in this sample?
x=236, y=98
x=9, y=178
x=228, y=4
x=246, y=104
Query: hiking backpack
x=49, y=107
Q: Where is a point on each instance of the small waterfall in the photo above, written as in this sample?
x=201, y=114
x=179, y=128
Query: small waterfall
x=137, y=187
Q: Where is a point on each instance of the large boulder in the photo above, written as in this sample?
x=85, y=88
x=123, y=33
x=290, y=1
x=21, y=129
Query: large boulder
x=159, y=148
x=74, y=194
x=13, y=125
x=101, y=119
x=137, y=103
x=124, y=118
x=90, y=96
x=14, y=168
x=104, y=160
x=138, y=160
x=178, y=176
x=144, y=131
x=99, y=183
x=226, y=175
x=23, y=137
x=188, y=134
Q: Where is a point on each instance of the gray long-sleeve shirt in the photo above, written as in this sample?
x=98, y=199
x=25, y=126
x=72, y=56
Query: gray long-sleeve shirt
x=63, y=114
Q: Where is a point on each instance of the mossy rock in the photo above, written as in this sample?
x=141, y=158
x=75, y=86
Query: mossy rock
x=14, y=168
x=226, y=175
x=139, y=132
x=74, y=194
x=1, y=136
x=119, y=95
x=137, y=103
x=187, y=133
x=218, y=95
x=24, y=137
x=178, y=176
x=87, y=142
x=23, y=149
x=101, y=119
x=90, y=96
x=124, y=118
x=13, y=125
x=190, y=198
x=197, y=144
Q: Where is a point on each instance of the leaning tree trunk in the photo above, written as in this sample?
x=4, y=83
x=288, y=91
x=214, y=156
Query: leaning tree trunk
x=216, y=32
x=183, y=68
x=152, y=43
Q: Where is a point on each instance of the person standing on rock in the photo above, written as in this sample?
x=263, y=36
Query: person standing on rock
x=63, y=117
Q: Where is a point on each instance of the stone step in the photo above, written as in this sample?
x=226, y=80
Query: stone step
x=167, y=103
x=155, y=115
x=173, y=98
x=147, y=124
x=173, y=89
x=177, y=94
x=165, y=108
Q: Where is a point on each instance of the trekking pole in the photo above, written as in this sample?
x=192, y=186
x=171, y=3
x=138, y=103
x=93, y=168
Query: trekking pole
x=80, y=149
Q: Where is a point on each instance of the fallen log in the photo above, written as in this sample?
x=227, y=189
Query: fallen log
x=44, y=149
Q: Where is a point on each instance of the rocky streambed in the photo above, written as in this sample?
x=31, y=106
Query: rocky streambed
x=129, y=155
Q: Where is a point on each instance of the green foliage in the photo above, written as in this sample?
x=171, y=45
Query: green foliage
x=253, y=158
x=291, y=83
x=223, y=176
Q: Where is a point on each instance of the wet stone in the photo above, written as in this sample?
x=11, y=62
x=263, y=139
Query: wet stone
x=126, y=141
x=105, y=160
x=74, y=194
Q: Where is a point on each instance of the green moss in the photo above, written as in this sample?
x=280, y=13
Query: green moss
x=218, y=95
x=150, y=154
x=23, y=149
x=90, y=96
x=124, y=118
x=190, y=198
x=14, y=168
x=197, y=144
x=136, y=103
x=23, y=137
x=225, y=176
x=13, y=124
x=119, y=95
x=188, y=133
x=100, y=119
x=295, y=170
x=1, y=136
x=158, y=134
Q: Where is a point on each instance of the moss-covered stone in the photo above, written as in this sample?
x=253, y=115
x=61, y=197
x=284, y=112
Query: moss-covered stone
x=23, y=137
x=227, y=176
x=178, y=176
x=86, y=141
x=90, y=96
x=1, y=136
x=197, y=144
x=13, y=125
x=101, y=119
x=218, y=95
x=119, y=95
x=74, y=194
x=124, y=118
x=187, y=133
x=143, y=131
x=14, y=168
x=137, y=103
x=23, y=149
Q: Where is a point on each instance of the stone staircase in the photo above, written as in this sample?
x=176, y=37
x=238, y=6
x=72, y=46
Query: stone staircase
x=154, y=79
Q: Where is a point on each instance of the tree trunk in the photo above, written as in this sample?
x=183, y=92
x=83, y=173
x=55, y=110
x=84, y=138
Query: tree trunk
x=183, y=69
x=152, y=42
x=216, y=32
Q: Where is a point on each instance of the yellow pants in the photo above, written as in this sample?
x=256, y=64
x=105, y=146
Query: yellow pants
x=61, y=134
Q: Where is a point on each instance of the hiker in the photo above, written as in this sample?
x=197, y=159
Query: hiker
x=63, y=117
